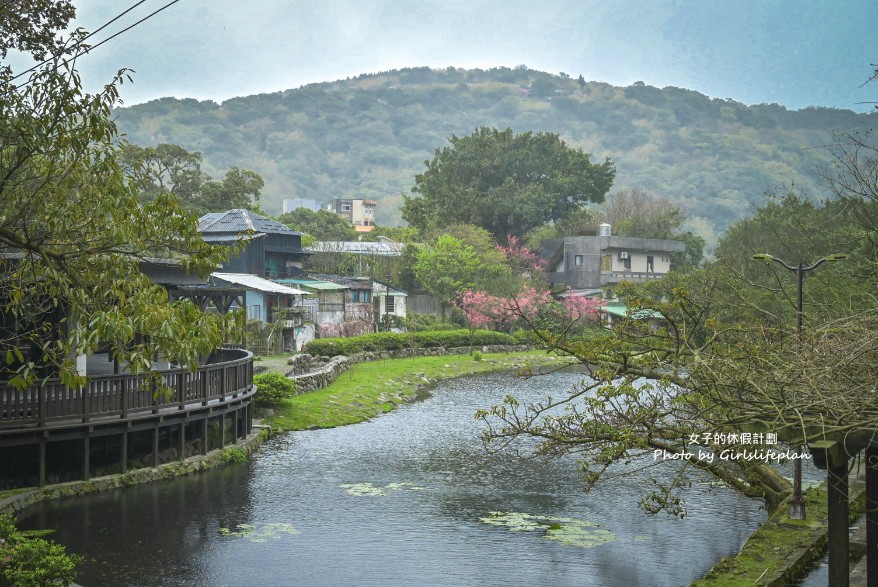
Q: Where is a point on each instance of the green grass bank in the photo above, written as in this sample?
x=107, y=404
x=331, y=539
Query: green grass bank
x=782, y=550
x=372, y=388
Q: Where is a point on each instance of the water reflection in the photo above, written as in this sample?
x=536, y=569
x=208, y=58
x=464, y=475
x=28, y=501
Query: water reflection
x=170, y=533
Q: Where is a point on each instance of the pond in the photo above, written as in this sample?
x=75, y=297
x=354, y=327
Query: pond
x=410, y=498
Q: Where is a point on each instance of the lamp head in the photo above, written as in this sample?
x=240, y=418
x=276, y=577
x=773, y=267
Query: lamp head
x=763, y=257
x=838, y=257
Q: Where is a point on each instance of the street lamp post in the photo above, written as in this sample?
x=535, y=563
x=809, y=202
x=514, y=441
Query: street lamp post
x=797, y=502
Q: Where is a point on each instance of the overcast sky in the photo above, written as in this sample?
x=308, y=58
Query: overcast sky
x=794, y=52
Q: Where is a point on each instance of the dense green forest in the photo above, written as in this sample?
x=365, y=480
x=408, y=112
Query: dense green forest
x=368, y=136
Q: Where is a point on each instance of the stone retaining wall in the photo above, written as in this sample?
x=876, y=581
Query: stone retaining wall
x=312, y=373
x=16, y=503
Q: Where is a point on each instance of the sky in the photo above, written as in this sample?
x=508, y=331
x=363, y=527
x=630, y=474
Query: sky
x=796, y=53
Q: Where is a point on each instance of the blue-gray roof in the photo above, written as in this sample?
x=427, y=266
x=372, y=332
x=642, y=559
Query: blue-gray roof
x=241, y=221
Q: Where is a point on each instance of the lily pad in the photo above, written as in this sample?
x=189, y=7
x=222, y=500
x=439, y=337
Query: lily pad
x=369, y=489
x=363, y=489
x=267, y=532
x=569, y=531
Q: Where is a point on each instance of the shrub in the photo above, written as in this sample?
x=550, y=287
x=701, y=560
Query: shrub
x=32, y=562
x=391, y=341
x=477, y=356
x=271, y=388
x=423, y=322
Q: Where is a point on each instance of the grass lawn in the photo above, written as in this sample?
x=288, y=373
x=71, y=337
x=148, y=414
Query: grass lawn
x=372, y=388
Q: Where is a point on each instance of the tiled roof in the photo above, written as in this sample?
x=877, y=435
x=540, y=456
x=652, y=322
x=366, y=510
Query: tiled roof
x=240, y=221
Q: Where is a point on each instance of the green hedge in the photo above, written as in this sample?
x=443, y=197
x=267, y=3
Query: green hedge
x=392, y=341
x=26, y=561
x=271, y=388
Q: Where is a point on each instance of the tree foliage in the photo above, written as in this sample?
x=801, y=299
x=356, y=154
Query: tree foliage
x=448, y=267
x=505, y=183
x=32, y=27
x=172, y=169
x=323, y=225
x=636, y=213
x=32, y=562
x=73, y=235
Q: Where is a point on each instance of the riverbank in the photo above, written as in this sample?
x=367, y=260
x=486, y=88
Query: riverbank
x=782, y=550
x=372, y=388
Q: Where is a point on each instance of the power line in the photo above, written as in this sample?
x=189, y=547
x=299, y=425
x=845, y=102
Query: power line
x=84, y=51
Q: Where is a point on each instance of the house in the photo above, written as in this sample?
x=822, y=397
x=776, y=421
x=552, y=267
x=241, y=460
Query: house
x=360, y=213
x=588, y=262
x=263, y=298
x=270, y=249
x=388, y=302
x=616, y=312
x=340, y=309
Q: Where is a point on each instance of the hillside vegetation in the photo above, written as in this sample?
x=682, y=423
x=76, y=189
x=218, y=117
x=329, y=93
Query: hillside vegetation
x=368, y=136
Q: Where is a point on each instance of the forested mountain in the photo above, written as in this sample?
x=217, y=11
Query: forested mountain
x=367, y=137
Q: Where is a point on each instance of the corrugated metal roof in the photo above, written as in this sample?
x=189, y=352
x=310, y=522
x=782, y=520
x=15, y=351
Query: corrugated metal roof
x=623, y=312
x=348, y=282
x=358, y=248
x=239, y=221
x=256, y=283
x=316, y=285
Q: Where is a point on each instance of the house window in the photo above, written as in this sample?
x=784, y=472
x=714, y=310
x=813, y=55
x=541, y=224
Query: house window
x=345, y=207
x=366, y=296
x=626, y=262
x=607, y=263
x=650, y=264
x=389, y=304
x=355, y=296
x=577, y=260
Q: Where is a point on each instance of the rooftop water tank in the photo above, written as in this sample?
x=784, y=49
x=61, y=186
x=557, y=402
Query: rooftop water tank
x=606, y=229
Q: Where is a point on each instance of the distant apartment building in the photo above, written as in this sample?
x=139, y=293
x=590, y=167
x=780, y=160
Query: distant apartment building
x=291, y=204
x=360, y=213
x=586, y=262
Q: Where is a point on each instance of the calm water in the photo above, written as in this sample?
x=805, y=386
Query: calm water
x=292, y=517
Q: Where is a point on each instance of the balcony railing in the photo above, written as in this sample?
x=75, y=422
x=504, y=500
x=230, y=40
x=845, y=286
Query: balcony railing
x=633, y=276
x=127, y=396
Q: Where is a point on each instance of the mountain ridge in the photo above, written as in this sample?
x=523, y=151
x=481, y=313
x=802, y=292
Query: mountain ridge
x=368, y=136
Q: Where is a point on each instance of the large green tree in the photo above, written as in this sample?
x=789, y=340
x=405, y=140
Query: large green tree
x=74, y=235
x=323, y=225
x=504, y=182
x=447, y=267
x=172, y=169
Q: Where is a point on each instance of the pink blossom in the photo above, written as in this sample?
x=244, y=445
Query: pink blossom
x=580, y=307
x=520, y=258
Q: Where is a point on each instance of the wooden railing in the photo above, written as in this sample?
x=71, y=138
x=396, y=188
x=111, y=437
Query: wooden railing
x=108, y=397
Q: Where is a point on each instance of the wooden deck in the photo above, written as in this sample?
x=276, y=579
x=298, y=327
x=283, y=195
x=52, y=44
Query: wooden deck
x=219, y=392
x=126, y=396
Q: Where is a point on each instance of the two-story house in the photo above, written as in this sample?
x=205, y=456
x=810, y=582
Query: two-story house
x=586, y=262
x=270, y=249
x=360, y=213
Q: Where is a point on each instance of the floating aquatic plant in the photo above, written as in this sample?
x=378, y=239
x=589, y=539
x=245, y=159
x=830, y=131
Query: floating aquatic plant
x=362, y=489
x=369, y=489
x=569, y=531
x=267, y=532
